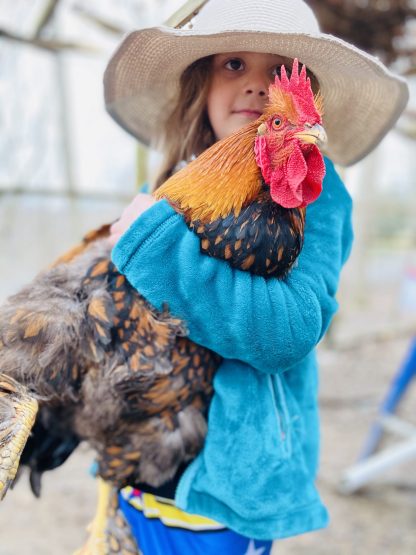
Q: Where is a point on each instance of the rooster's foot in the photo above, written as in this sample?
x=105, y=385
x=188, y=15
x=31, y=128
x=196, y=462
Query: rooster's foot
x=17, y=416
x=109, y=533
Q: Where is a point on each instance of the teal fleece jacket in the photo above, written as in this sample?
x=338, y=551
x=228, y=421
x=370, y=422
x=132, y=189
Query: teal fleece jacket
x=257, y=469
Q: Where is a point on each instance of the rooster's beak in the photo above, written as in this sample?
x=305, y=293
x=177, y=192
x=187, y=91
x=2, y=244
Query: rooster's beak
x=315, y=135
x=261, y=129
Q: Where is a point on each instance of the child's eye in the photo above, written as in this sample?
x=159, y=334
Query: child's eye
x=234, y=64
x=277, y=71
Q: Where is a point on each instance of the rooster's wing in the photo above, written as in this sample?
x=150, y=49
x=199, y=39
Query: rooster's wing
x=108, y=367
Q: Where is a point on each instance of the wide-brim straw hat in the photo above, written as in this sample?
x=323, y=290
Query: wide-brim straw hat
x=362, y=98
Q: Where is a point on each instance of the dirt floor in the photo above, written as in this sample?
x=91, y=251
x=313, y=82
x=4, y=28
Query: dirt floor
x=355, y=375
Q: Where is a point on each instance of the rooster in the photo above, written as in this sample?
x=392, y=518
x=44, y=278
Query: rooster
x=84, y=356
x=252, y=210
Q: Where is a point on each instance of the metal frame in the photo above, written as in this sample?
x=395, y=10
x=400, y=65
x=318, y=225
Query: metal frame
x=371, y=464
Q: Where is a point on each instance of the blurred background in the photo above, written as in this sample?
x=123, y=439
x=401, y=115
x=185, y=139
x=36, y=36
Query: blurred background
x=66, y=167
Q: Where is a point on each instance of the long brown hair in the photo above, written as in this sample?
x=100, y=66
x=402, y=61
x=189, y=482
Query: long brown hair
x=187, y=130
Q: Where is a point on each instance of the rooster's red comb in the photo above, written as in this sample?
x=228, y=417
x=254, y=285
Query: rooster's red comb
x=298, y=85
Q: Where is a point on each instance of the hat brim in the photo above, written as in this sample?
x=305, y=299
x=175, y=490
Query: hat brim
x=362, y=98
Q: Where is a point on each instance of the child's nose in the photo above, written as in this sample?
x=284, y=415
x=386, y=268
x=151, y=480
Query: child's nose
x=257, y=84
x=254, y=90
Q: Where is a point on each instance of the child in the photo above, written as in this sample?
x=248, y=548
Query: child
x=189, y=88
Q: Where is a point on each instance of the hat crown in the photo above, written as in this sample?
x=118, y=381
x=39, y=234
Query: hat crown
x=282, y=16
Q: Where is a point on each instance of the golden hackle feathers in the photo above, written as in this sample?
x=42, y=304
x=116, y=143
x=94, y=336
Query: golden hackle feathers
x=281, y=103
x=221, y=180
x=319, y=103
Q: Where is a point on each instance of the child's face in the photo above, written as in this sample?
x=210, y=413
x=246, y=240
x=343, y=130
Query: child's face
x=239, y=87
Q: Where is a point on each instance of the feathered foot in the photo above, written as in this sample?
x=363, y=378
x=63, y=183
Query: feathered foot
x=109, y=533
x=17, y=416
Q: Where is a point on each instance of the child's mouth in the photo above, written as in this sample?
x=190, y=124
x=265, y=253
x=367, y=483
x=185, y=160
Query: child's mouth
x=253, y=114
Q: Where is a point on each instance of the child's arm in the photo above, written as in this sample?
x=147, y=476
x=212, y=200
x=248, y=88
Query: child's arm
x=266, y=323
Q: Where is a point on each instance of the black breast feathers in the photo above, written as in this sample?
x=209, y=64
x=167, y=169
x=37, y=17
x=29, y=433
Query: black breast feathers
x=264, y=239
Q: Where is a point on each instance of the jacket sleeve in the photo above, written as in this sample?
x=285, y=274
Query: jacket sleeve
x=269, y=324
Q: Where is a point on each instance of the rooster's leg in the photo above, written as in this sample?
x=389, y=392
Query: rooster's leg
x=17, y=416
x=109, y=533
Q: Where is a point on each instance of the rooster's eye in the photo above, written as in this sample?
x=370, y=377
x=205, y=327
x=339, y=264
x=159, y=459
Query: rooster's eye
x=277, y=123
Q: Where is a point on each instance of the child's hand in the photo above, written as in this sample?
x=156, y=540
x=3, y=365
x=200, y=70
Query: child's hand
x=139, y=204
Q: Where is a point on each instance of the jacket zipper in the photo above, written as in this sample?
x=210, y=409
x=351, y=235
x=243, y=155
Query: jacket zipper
x=282, y=413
